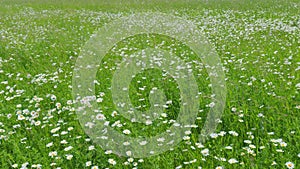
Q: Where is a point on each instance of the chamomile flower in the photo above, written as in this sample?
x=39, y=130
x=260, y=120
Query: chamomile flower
x=112, y=161
x=126, y=131
x=290, y=165
x=49, y=144
x=69, y=156
x=100, y=116
x=53, y=153
x=53, y=97
x=205, y=152
x=88, y=163
x=232, y=161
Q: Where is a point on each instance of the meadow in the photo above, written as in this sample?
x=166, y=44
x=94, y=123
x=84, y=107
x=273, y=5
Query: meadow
x=258, y=43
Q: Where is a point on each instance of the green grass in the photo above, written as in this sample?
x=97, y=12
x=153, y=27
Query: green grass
x=257, y=41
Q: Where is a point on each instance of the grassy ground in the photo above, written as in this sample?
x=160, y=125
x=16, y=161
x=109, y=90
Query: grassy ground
x=258, y=43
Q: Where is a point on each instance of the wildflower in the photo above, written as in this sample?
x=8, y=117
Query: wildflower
x=199, y=145
x=228, y=147
x=128, y=153
x=63, y=142
x=252, y=146
x=187, y=132
x=130, y=160
x=58, y=105
x=68, y=148
x=91, y=147
x=233, y=133
x=21, y=117
x=69, y=156
x=279, y=150
x=223, y=159
x=283, y=144
x=38, y=166
x=164, y=115
x=101, y=94
x=24, y=165
x=53, y=97
x=88, y=163
x=273, y=163
x=247, y=141
x=222, y=133
x=260, y=115
x=55, y=130
x=9, y=116
x=232, y=161
x=186, y=137
x=205, y=152
x=161, y=139
x=211, y=105
x=126, y=131
x=148, y=122
x=53, y=153
x=99, y=100
x=69, y=102
x=64, y=133
x=114, y=113
x=126, y=143
x=290, y=165
x=213, y=135
x=37, y=123
x=262, y=147
x=100, y=117
x=49, y=144
x=112, y=161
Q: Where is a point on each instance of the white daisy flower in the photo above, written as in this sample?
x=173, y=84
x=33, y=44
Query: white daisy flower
x=290, y=165
x=205, y=152
x=126, y=131
x=100, y=117
x=53, y=153
x=88, y=163
x=49, y=144
x=232, y=161
x=69, y=156
x=112, y=161
x=68, y=148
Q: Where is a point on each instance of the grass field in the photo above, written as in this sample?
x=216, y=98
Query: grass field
x=258, y=43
